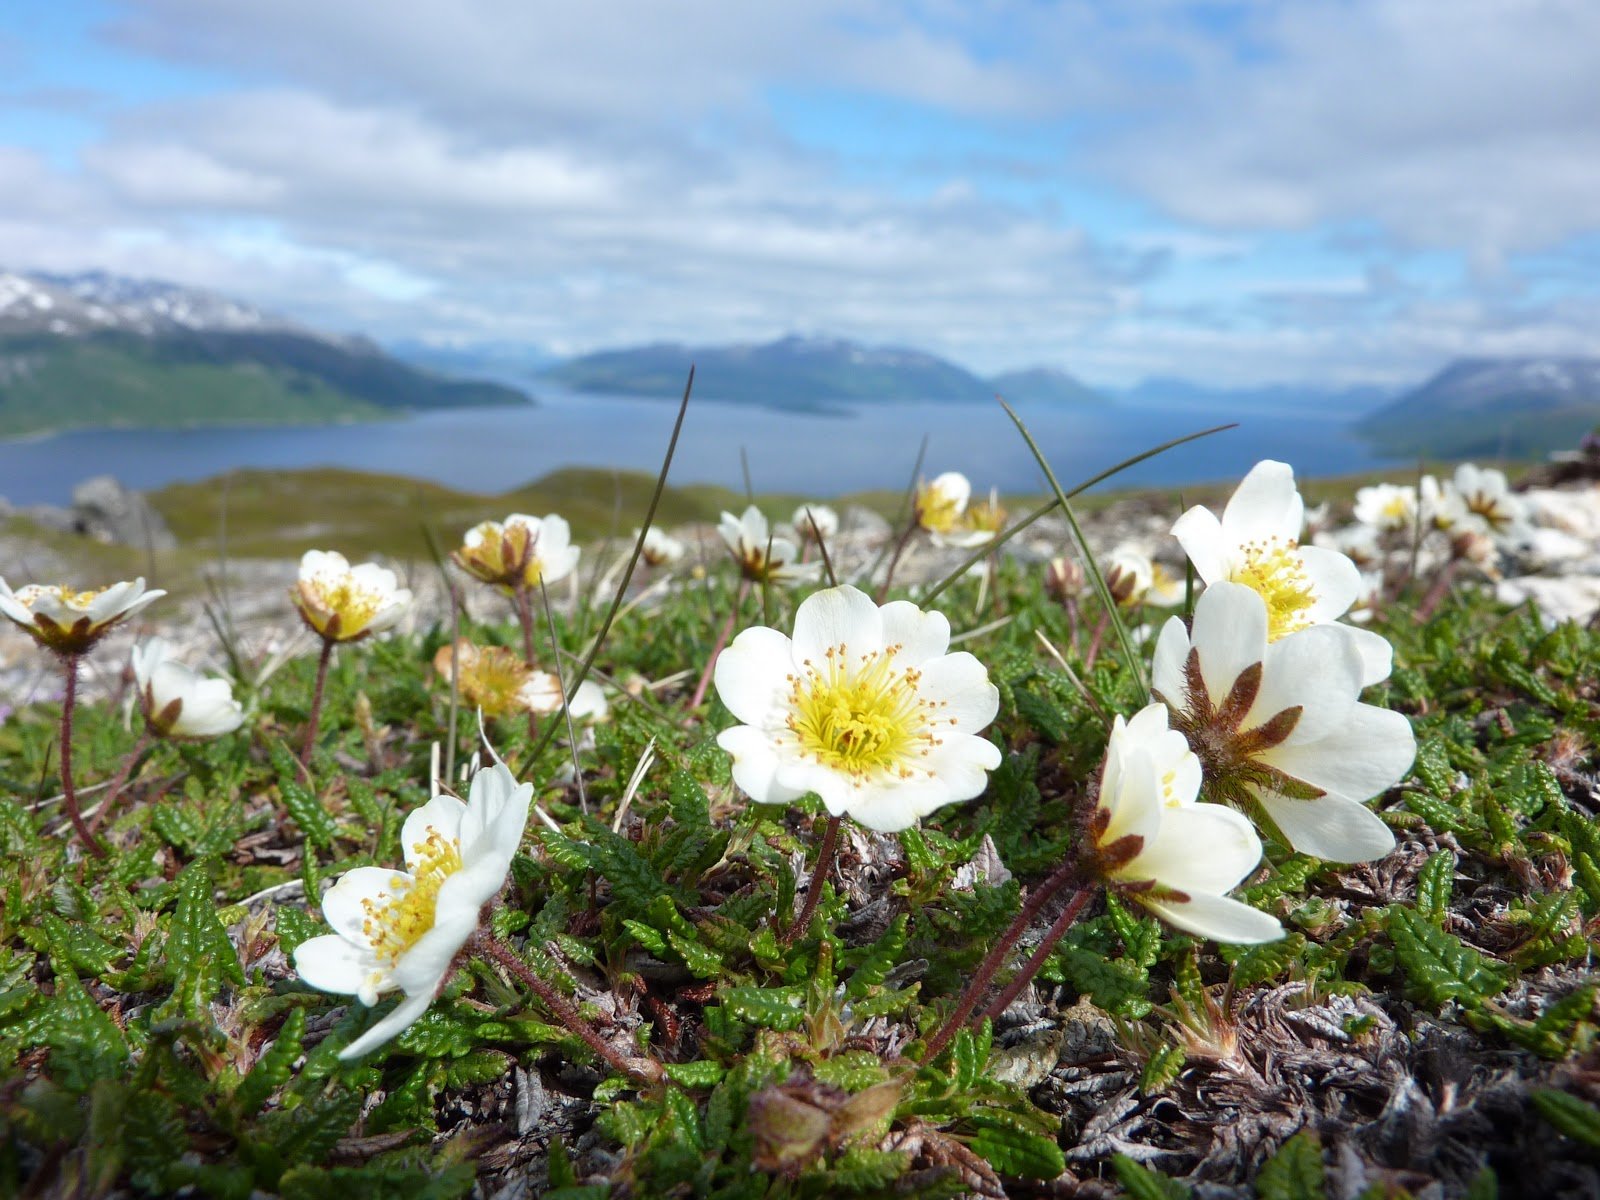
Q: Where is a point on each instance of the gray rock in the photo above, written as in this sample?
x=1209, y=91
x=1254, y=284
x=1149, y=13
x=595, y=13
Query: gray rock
x=109, y=512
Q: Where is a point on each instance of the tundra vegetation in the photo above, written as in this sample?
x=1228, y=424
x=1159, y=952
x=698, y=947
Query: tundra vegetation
x=1276, y=875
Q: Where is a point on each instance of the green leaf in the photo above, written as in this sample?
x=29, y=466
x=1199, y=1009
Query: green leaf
x=1162, y=1067
x=1143, y=1183
x=85, y=949
x=702, y=1074
x=1435, y=882
x=303, y=804
x=1257, y=964
x=1013, y=1151
x=772, y=1008
x=1294, y=1172
x=1580, y=1121
x=1440, y=967
x=274, y=1068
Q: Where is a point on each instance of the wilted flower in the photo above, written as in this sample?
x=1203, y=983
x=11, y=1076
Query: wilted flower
x=987, y=517
x=70, y=622
x=1387, y=507
x=764, y=557
x=489, y=678
x=1279, y=724
x=341, y=603
x=403, y=929
x=826, y=520
x=1440, y=504
x=1128, y=574
x=519, y=552
x=179, y=703
x=1063, y=578
x=1154, y=843
x=864, y=707
x=1257, y=544
x=659, y=549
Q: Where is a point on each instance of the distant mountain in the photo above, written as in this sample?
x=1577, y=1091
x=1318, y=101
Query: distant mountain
x=101, y=350
x=1492, y=406
x=1278, y=398
x=1044, y=385
x=513, y=363
x=799, y=373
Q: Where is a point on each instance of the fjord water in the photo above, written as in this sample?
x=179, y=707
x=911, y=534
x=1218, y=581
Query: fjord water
x=490, y=450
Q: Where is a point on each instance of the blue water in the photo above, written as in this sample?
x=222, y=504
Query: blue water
x=491, y=450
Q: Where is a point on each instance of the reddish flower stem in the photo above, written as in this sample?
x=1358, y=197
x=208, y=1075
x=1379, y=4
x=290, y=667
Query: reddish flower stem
x=316, y=703
x=121, y=781
x=722, y=640
x=69, y=795
x=992, y=961
x=819, y=875
x=1036, y=960
x=644, y=1070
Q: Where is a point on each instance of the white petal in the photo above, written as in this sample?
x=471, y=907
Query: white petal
x=1265, y=505
x=330, y=963
x=209, y=710
x=146, y=656
x=1377, y=655
x=1200, y=534
x=955, y=486
x=427, y=963
x=958, y=684
x=113, y=601
x=1230, y=631
x=752, y=673
x=1202, y=848
x=920, y=635
x=1166, y=670
x=1367, y=755
x=1333, y=828
x=1316, y=669
x=343, y=903
x=755, y=765
x=1218, y=917
x=442, y=814
x=1335, y=582
x=399, y=1019
x=837, y=616
x=892, y=809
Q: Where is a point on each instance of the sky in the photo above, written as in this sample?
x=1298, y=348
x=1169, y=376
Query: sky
x=1267, y=191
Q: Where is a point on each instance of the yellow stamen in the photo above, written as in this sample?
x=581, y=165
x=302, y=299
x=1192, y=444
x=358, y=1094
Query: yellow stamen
x=396, y=920
x=937, y=510
x=341, y=597
x=863, y=715
x=1278, y=574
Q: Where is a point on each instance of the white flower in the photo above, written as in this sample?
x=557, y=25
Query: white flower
x=940, y=505
x=660, y=549
x=1133, y=577
x=402, y=929
x=1387, y=507
x=342, y=603
x=864, y=707
x=762, y=556
x=518, y=552
x=827, y=522
x=68, y=621
x=1280, y=724
x=542, y=694
x=179, y=703
x=1257, y=544
x=1490, y=504
x=1153, y=842
x=1441, y=505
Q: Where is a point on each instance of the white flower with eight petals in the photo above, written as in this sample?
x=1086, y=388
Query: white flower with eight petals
x=1280, y=724
x=864, y=706
x=341, y=603
x=69, y=621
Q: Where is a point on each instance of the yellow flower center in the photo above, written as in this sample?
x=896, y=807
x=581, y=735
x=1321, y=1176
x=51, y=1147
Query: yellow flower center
x=343, y=597
x=1279, y=576
x=1395, y=508
x=28, y=595
x=938, y=511
x=492, y=679
x=863, y=716
x=395, y=922
x=505, y=554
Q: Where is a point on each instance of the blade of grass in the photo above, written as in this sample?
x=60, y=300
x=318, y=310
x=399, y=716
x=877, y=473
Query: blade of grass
x=633, y=562
x=437, y=552
x=1124, y=642
x=822, y=548
x=566, y=697
x=1049, y=506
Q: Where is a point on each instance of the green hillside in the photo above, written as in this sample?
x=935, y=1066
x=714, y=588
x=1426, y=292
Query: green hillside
x=50, y=382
